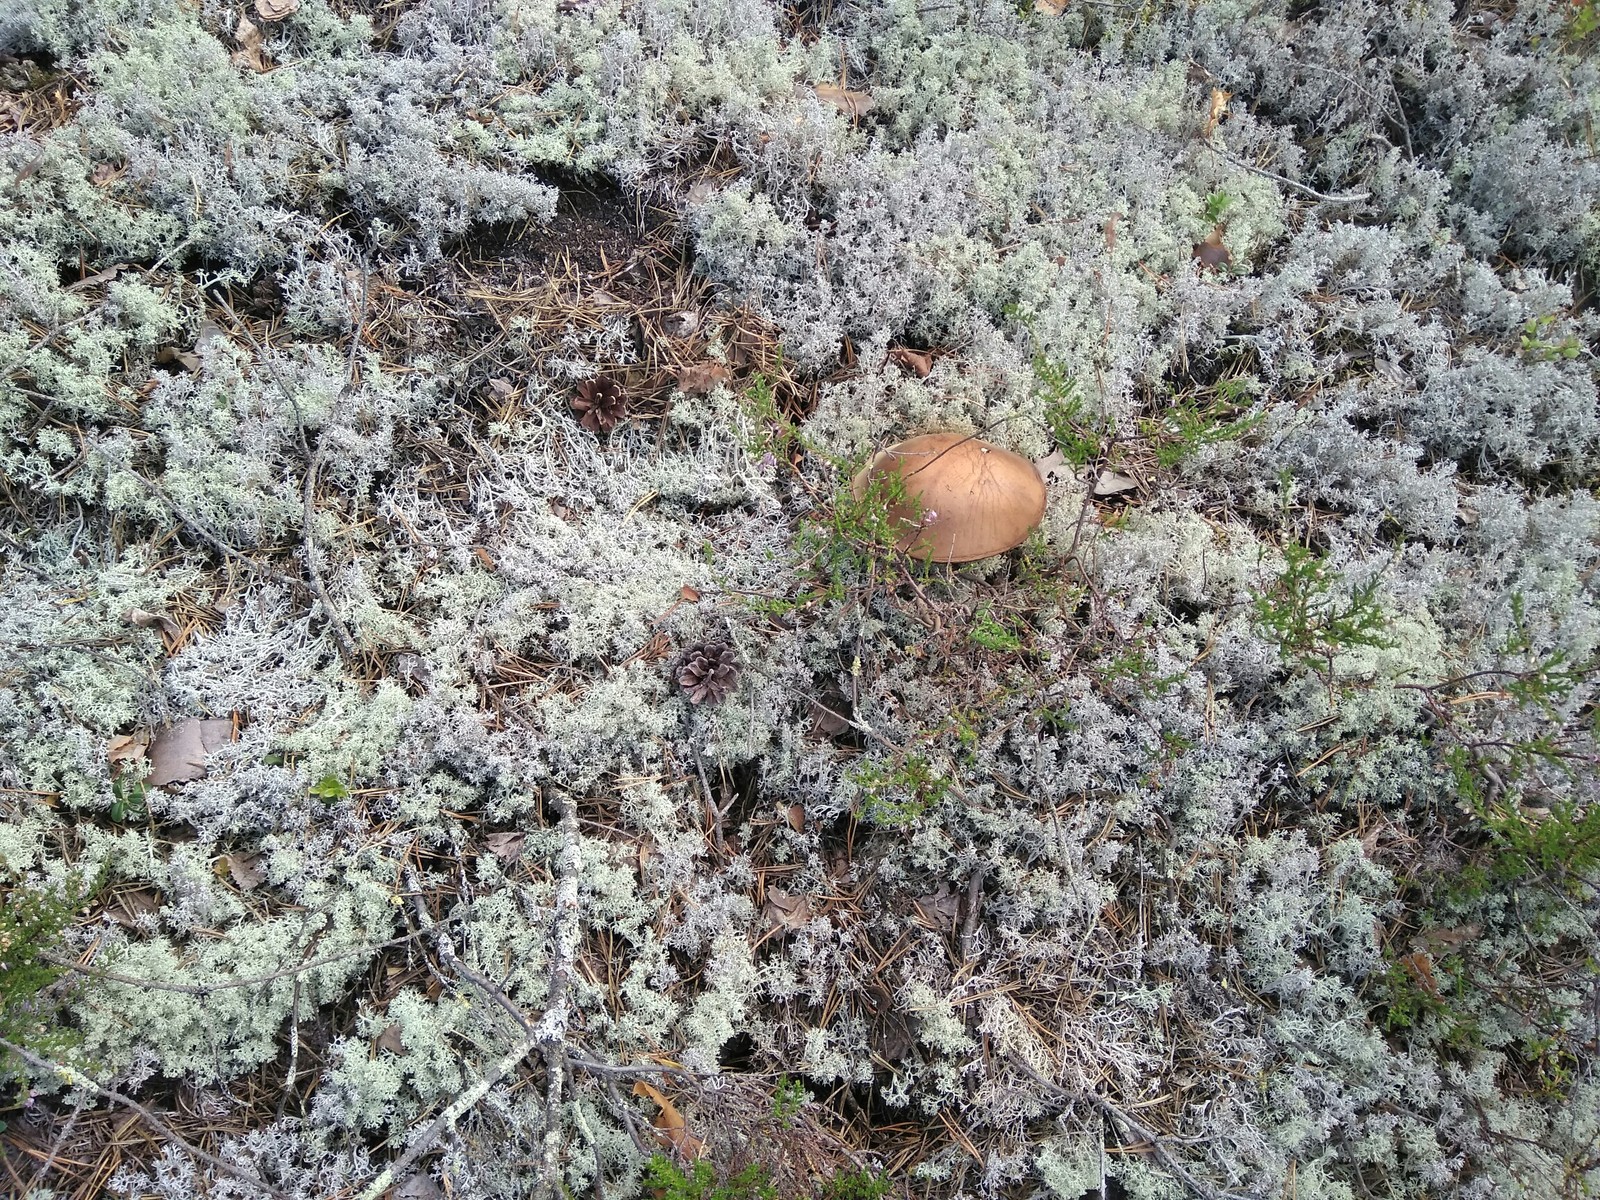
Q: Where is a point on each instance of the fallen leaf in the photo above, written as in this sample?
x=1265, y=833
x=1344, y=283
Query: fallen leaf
x=187, y=359
x=1212, y=253
x=248, y=34
x=124, y=748
x=150, y=620
x=389, y=1040
x=276, y=10
x=128, y=906
x=692, y=595
x=507, y=847
x=938, y=911
x=918, y=362
x=786, y=911
x=484, y=557
x=699, y=193
x=178, y=753
x=1054, y=467
x=1113, y=483
x=105, y=173
x=852, y=104
x=795, y=814
x=1111, y=231
x=602, y=298
x=671, y=1129
x=246, y=871
x=1049, y=8
x=681, y=324
x=1420, y=967
x=419, y=1187
x=502, y=388
x=1219, y=107
x=827, y=717
x=105, y=276
x=1443, y=941
x=697, y=379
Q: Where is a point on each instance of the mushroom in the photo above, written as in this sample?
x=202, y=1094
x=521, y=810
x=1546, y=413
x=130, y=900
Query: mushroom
x=965, y=499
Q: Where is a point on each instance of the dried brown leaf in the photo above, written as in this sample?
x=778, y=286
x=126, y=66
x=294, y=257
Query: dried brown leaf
x=786, y=911
x=1219, y=107
x=178, y=753
x=681, y=324
x=795, y=814
x=390, y=1040
x=124, y=748
x=1049, y=8
x=246, y=871
x=918, y=362
x=697, y=379
x=827, y=717
x=671, y=1129
x=852, y=104
x=126, y=907
x=484, y=558
x=150, y=620
x=940, y=910
x=276, y=10
x=1113, y=483
x=1212, y=253
x=419, y=1187
x=249, y=54
x=1054, y=467
x=507, y=846
x=692, y=595
x=1420, y=967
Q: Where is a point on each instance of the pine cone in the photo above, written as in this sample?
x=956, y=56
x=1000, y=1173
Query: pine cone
x=601, y=404
x=708, y=672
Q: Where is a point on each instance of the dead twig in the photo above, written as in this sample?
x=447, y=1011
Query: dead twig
x=308, y=519
x=79, y=1079
x=549, y=1034
x=1309, y=193
x=203, y=990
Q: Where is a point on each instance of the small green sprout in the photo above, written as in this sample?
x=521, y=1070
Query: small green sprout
x=329, y=789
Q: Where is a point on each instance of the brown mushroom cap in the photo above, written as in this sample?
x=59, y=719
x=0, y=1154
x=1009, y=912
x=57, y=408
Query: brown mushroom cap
x=966, y=498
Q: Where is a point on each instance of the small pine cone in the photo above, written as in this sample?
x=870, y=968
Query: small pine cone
x=601, y=405
x=708, y=672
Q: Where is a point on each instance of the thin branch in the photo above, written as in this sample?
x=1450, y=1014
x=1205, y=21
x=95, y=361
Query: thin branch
x=548, y=1035
x=422, y=1142
x=203, y=990
x=308, y=518
x=79, y=1079
x=557, y=1013
x=1157, y=1142
x=1310, y=193
x=452, y=960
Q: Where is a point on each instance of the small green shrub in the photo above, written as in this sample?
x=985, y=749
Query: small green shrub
x=856, y=1185
x=1309, y=624
x=788, y=1098
x=1187, y=425
x=1217, y=203
x=665, y=1180
x=1536, y=346
x=896, y=796
x=31, y=924
x=990, y=634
